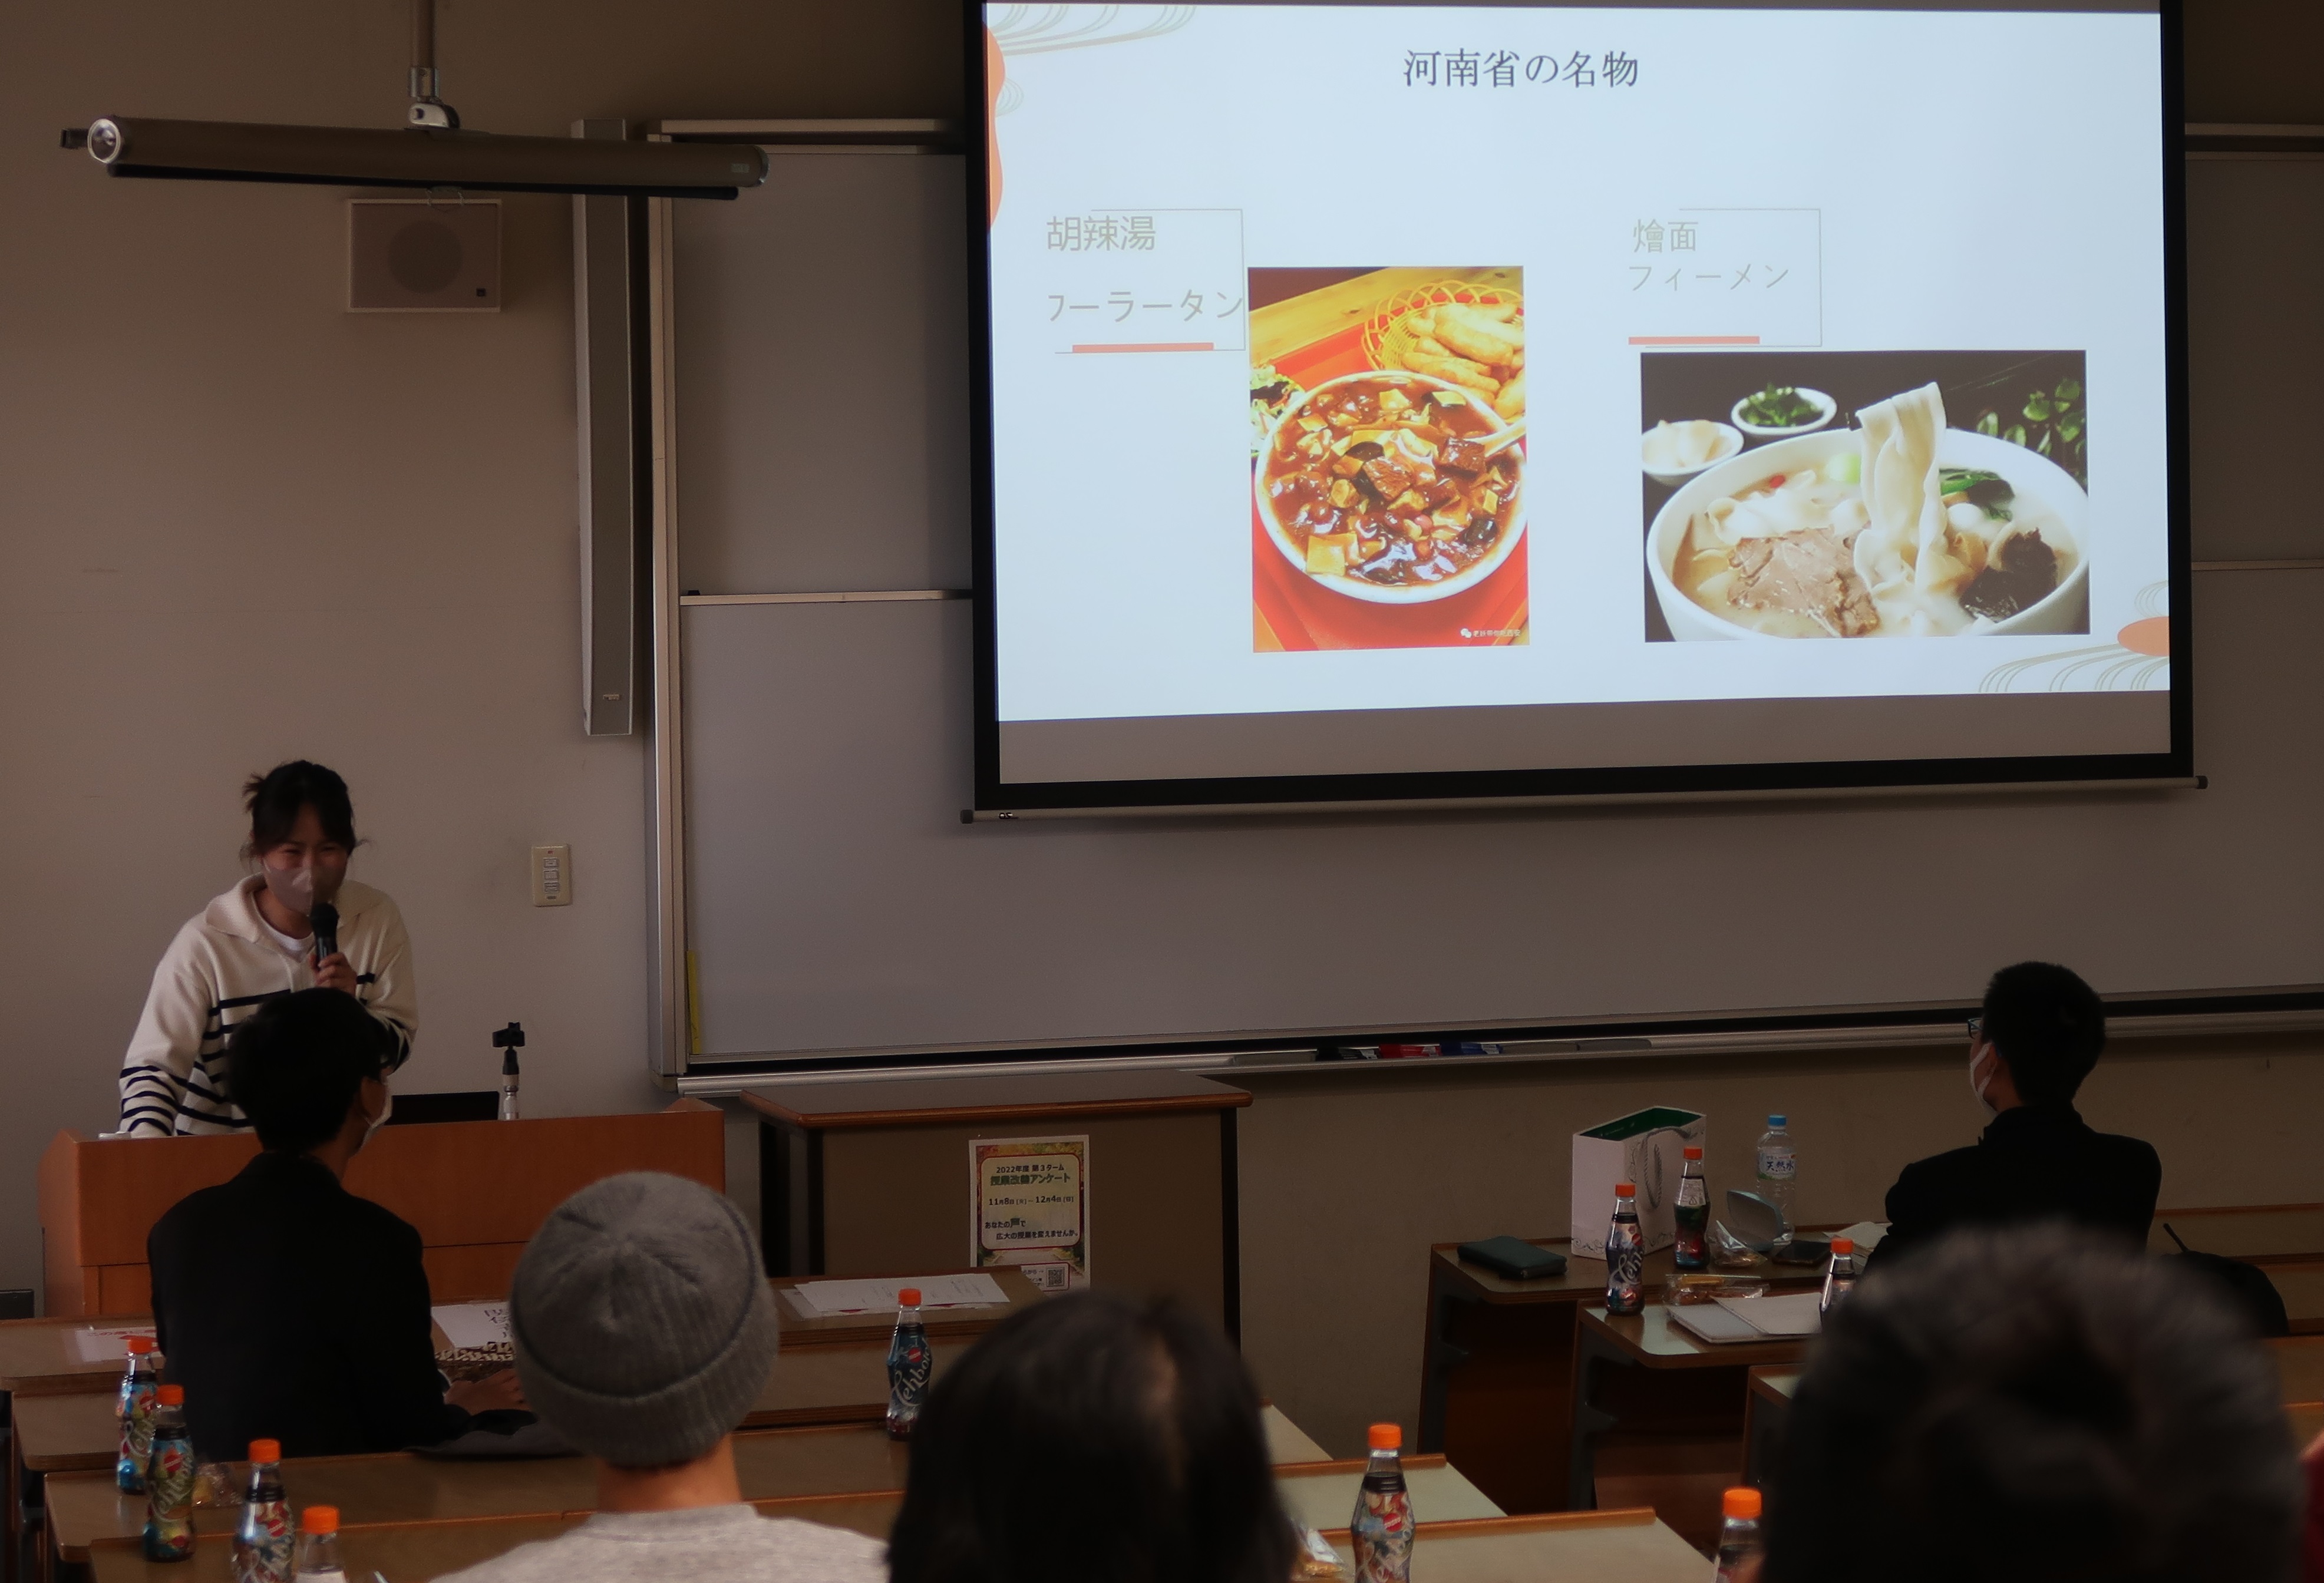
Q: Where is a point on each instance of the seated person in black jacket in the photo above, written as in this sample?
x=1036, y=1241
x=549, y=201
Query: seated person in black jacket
x=288, y=1308
x=2038, y=1038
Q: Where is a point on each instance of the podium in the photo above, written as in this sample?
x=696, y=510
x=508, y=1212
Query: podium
x=476, y=1190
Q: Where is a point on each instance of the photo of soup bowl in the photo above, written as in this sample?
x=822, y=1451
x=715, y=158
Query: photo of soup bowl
x=1467, y=577
x=2033, y=476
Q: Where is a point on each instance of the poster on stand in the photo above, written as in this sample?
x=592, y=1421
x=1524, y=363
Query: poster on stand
x=1029, y=1207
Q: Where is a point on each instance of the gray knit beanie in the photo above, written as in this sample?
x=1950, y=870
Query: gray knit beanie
x=643, y=1326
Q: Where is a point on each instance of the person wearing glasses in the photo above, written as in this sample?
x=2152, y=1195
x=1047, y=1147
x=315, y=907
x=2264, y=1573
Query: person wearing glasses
x=2038, y=1037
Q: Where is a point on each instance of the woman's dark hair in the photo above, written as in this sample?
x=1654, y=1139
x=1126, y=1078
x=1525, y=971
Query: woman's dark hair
x=1093, y=1440
x=2032, y=1407
x=295, y=1064
x=2049, y=1027
x=274, y=799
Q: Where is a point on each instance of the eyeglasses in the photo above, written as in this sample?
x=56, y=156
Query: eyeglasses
x=1976, y=1028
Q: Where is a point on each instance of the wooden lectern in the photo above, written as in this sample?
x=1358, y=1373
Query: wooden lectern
x=477, y=1191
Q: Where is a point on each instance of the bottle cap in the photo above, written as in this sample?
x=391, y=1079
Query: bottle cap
x=320, y=1520
x=266, y=1451
x=1779, y=1121
x=171, y=1396
x=1740, y=1502
x=1626, y=1190
x=1843, y=1245
x=1690, y=1153
x=1386, y=1437
x=910, y=1297
x=139, y=1346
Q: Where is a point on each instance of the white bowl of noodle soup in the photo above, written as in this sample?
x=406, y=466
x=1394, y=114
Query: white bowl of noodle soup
x=2051, y=498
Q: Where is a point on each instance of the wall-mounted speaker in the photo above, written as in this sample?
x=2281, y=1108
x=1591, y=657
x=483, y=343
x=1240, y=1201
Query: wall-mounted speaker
x=418, y=255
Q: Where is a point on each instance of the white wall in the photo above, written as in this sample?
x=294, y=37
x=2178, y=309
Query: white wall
x=238, y=524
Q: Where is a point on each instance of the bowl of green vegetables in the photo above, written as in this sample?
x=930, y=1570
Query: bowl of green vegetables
x=1781, y=410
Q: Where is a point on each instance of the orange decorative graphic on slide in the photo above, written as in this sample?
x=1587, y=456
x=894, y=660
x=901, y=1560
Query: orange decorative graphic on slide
x=996, y=72
x=2150, y=636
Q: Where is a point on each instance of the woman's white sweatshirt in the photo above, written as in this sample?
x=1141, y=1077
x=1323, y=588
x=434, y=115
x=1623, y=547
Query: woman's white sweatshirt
x=223, y=966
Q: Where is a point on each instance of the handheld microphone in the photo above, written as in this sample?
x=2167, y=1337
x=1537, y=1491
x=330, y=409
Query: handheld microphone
x=324, y=919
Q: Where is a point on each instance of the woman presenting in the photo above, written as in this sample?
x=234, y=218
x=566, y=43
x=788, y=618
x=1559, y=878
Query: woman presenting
x=257, y=941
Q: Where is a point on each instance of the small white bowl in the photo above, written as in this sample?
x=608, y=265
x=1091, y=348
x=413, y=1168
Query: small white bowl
x=1825, y=406
x=1730, y=440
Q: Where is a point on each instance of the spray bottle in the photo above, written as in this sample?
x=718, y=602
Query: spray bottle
x=508, y=1042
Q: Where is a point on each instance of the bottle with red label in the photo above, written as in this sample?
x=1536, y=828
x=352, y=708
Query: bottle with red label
x=1692, y=1213
x=1381, y=1531
x=318, y=1546
x=262, y=1542
x=910, y=1366
x=169, y=1480
x=138, y=1383
x=1625, y=1254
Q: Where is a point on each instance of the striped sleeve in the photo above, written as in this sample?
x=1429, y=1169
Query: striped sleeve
x=178, y=1027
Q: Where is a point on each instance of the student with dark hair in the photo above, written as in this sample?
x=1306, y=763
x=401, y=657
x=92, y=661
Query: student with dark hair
x=288, y=1308
x=2039, y=1035
x=256, y=941
x=1094, y=1439
x=2027, y=1405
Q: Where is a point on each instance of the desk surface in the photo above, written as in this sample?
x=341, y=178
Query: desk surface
x=2256, y=1233
x=1286, y=1441
x=994, y=1096
x=873, y=1330
x=61, y=1434
x=1585, y=1278
x=1649, y=1338
x=1623, y=1546
x=1324, y=1494
x=37, y=1357
x=1776, y=1382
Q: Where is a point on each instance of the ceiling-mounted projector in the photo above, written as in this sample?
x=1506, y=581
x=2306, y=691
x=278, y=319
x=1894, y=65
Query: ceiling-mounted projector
x=432, y=151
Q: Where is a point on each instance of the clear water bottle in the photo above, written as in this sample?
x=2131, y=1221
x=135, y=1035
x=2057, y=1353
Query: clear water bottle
x=318, y=1546
x=138, y=1383
x=1839, y=1275
x=169, y=1480
x=263, y=1541
x=1738, y=1535
x=1381, y=1531
x=1625, y=1254
x=1779, y=1170
x=910, y=1366
x=1692, y=1213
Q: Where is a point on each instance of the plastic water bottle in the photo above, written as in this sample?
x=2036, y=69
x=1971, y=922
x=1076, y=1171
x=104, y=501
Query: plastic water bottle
x=910, y=1366
x=169, y=1480
x=1381, y=1532
x=1692, y=1213
x=138, y=1383
x=1779, y=1170
x=1738, y=1534
x=262, y=1542
x=1625, y=1254
x=319, y=1545
x=1839, y=1275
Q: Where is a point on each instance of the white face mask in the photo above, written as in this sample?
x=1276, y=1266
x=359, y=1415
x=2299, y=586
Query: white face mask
x=386, y=1109
x=1976, y=1085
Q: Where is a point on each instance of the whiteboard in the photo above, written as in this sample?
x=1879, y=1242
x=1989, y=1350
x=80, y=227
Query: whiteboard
x=836, y=904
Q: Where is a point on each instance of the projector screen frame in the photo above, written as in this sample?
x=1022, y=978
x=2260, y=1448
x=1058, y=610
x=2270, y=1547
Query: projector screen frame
x=995, y=796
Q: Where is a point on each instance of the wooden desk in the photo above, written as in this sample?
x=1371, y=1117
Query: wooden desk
x=2257, y=1234
x=37, y=1357
x=2299, y=1368
x=1496, y=1367
x=860, y=1177
x=1628, y=1546
x=1766, y=1408
x=1653, y=1405
x=66, y=1434
x=477, y=1191
x=1323, y=1495
x=2302, y=1287
x=874, y=1330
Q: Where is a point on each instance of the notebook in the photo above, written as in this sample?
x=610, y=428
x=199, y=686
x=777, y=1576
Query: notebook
x=1752, y=1319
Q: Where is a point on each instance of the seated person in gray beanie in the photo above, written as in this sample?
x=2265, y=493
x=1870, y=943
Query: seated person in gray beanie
x=644, y=1330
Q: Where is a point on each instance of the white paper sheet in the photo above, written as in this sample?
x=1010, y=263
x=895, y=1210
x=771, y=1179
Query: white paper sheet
x=1794, y=1314
x=827, y=1298
x=106, y=1346
x=1866, y=1235
x=472, y=1324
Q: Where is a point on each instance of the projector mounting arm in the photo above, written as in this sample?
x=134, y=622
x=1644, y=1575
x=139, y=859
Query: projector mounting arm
x=427, y=109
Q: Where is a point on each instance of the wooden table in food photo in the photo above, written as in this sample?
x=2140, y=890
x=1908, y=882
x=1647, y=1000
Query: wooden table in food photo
x=1625, y=1546
x=1497, y=1366
x=1658, y=1416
